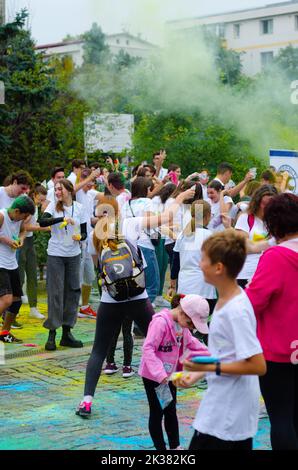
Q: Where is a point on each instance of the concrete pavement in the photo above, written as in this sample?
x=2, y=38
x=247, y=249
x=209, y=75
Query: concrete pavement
x=39, y=392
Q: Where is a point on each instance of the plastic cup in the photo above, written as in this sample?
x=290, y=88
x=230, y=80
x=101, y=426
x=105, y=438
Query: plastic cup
x=254, y=172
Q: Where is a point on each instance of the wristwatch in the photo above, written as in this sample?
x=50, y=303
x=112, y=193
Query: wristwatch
x=218, y=368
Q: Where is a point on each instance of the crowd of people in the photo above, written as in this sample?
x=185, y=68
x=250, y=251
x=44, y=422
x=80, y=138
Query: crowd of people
x=231, y=251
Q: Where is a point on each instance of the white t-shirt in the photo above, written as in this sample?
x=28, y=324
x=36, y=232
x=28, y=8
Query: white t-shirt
x=205, y=192
x=157, y=206
x=162, y=173
x=9, y=229
x=131, y=230
x=61, y=242
x=258, y=231
x=123, y=198
x=215, y=223
x=180, y=220
x=87, y=198
x=191, y=278
x=50, y=184
x=33, y=221
x=51, y=195
x=5, y=200
x=230, y=408
x=138, y=208
x=72, y=178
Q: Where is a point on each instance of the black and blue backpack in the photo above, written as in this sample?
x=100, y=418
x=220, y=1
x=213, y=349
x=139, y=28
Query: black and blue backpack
x=122, y=271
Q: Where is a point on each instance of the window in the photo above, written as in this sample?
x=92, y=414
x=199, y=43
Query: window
x=220, y=30
x=267, y=26
x=296, y=22
x=266, y=58
x=236, y=31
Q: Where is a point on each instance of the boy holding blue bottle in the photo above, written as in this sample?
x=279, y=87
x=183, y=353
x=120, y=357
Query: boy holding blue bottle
x=227, y=418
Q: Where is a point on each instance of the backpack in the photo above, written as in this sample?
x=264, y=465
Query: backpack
x=122, y=271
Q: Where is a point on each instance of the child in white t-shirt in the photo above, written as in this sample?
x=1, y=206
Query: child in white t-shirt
x=227, y=418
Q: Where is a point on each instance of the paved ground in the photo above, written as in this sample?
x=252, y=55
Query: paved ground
x=39, y=392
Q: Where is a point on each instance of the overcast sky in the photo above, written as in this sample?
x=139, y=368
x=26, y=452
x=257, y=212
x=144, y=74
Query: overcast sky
x=52, y=20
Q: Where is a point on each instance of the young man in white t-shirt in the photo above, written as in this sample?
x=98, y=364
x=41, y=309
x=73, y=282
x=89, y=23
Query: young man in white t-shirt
x=116, y=186
x=227, y=418
x=76, y=167
x=12, y=235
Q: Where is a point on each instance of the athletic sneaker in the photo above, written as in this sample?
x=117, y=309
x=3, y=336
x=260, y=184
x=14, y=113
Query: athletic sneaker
x=84, y=409
x=7, y=337
x=16, y=325
x=87, y=312
x=203, y=385
x=127, y=371
x=35, y=313
x=110, y=369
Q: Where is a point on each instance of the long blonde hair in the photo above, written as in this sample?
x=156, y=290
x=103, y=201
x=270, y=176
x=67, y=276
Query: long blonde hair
x=199, y=211
x=106, y=232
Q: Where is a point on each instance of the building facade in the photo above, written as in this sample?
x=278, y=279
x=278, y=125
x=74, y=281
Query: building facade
x=258, y=33
x=2, y=11
x=134, y=46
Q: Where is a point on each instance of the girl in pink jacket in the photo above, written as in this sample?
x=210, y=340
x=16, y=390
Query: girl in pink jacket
x=168, y=342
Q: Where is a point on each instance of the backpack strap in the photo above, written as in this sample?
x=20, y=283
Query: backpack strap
x=250, y=221
x=129, y=202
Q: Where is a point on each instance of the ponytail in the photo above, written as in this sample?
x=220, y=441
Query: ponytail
x=176, y=300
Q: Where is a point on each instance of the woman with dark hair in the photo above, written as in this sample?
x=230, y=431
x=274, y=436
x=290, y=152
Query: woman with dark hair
x=158, y=207
x=220, y=204
x=69, y=227
x=274, y=296
x=251, y=224
x=174, y=173
x=139, y=206
x=183, y=216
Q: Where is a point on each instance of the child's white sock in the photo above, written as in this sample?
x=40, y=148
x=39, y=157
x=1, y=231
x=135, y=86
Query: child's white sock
x=88, y=398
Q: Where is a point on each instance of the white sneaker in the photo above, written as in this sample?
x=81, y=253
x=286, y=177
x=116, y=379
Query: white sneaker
x=25, y=299
x=161, y=302
x=34, y=313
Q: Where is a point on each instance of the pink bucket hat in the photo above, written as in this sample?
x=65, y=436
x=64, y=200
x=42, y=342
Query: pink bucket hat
x=196, y=308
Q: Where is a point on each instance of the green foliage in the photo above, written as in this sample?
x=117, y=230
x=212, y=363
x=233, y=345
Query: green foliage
x=194, y=142
x=287, y=61
x=41, y=123
x=41, y=240
x=124, y=61
x=96, y=52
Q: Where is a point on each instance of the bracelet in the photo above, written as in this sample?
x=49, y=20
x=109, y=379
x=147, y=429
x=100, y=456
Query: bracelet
x=218, y=368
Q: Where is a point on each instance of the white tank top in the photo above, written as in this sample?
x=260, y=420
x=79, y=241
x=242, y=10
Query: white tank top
x=9, y=229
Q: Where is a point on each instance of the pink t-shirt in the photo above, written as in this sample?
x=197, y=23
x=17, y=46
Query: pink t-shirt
x=273, y=293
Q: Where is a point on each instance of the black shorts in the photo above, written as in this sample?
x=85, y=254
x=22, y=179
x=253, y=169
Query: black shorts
x=10, y=283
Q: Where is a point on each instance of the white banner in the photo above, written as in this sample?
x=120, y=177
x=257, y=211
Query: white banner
x=110, y=133
x=286, y=160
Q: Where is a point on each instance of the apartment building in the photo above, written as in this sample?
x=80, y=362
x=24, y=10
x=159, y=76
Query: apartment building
x=258, y=33
x=133, y=45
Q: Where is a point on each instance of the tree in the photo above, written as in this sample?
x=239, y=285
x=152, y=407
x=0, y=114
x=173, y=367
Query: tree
x=96, y=52
x=41, y=123
x=287, y=61
x=124, y=61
